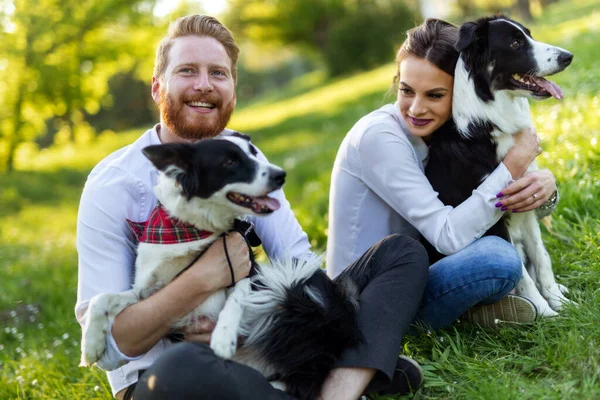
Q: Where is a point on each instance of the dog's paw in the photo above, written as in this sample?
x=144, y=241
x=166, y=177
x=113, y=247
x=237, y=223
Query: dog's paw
x=556, y=298
x=93, y=346
x=563, y=289
x=223, y=342
x=545, y=310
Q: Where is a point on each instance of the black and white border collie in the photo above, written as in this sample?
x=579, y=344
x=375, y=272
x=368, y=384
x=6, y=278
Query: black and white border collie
x=500, y=66
x=293, y=319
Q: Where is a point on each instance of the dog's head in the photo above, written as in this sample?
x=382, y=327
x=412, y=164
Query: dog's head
x=223, y=175
x=500, y=54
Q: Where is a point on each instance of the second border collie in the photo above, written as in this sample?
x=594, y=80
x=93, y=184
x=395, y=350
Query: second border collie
x=500, y=66
x=295, y=322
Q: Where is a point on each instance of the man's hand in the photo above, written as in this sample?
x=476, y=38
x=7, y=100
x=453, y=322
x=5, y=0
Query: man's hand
x=212, y=268
x=199, y=330
x=528, y=192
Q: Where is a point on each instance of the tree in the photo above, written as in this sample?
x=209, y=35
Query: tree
x=61, y=54
x=322, y=26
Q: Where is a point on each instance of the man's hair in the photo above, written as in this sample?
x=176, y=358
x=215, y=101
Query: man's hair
x=434, y=40
x=196, y=25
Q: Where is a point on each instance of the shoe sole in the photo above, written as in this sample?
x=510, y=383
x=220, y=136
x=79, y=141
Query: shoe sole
x=511, y=309
x=418, y=368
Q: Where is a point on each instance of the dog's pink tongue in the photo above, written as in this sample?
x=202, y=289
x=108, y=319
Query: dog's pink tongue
x=550, y=87
x=270, y=202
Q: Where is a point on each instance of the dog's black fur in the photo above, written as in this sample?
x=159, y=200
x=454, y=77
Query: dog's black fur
x=304, y=338
x=459, y=161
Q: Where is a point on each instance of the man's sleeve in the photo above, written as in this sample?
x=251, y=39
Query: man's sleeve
x=105, y=248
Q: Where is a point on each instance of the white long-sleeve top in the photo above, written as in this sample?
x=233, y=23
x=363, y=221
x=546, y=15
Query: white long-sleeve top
x=120, y=188
x=378, y=188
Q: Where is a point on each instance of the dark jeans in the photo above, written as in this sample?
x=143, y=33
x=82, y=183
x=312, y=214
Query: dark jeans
x=391, y=277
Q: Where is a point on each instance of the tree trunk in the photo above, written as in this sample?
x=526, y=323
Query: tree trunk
x=15, y=138
x=523, y=9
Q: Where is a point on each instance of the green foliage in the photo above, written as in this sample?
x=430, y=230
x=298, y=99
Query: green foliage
x=61, y=54
x=349, y=35
x=367, y=37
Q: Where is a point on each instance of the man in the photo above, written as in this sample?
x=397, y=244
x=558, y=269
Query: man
x=194, y=87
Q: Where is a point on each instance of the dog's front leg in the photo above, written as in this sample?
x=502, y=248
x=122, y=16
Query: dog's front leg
x=534, y=247
x=102, y=311
x=224, y=337
x=527, y=288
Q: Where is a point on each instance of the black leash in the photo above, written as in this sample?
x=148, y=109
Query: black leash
x=228, y=261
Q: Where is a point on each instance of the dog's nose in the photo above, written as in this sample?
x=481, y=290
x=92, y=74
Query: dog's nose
x=565, y=58
x=277, y=176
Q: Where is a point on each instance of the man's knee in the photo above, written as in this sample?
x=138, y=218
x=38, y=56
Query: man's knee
x=402, y=250
x=182, y=371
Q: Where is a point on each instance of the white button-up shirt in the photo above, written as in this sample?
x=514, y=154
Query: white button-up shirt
x=120, y=188
x=378, y=188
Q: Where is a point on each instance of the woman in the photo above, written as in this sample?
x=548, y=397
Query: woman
x=379, y=188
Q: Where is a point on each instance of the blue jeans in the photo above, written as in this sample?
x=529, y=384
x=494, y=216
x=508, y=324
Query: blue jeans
x=482, y=273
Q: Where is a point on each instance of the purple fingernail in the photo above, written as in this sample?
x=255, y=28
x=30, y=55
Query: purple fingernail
x=500, y=195
x=504, y=209
x=515, y=211
x=498, y=204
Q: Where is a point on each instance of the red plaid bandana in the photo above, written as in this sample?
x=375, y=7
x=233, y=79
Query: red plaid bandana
x=162, y=229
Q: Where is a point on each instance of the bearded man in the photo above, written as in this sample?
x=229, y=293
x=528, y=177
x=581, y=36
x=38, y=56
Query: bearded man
x=193, y=85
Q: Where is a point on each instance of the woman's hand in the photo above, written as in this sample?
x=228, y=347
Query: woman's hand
x=528, y=192
x=525, y=149
x=199, y=330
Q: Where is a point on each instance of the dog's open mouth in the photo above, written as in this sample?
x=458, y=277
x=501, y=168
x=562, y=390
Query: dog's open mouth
x=259, y=205
x=538, y=86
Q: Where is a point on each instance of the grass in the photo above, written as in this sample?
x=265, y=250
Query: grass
x=300, y=129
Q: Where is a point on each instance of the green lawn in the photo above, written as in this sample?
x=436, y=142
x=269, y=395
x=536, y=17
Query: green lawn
x=300, y=129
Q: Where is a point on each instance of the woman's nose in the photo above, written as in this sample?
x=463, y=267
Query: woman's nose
x=418, y=107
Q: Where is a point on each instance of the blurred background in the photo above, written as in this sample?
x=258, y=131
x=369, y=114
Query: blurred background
x=75, y=86
x=72, y=70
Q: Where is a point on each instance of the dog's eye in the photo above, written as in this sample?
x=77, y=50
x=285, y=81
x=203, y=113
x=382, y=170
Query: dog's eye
x=229, y=163
x=516, y=44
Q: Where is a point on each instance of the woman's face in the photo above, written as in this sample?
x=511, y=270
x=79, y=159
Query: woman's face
x=424, y=96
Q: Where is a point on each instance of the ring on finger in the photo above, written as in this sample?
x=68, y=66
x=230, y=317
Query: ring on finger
x=534, y=197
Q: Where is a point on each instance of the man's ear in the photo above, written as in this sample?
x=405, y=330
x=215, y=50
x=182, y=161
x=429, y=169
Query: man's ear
x=171, y=158
x=156, y=89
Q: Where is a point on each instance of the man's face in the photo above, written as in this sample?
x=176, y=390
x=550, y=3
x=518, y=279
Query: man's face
x=196, y=95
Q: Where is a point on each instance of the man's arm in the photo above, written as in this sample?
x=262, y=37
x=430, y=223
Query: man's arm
x=138, y=327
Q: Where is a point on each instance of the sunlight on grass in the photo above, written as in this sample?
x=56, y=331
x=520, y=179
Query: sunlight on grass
x=326, y=100
x=73, y=155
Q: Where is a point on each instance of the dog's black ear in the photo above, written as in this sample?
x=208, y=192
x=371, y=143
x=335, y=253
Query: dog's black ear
x=467, y=35
x=474, y=52
x=346, y=289
x=170, y=157
x=240, y=135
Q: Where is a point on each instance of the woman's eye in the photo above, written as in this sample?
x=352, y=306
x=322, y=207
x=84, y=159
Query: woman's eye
x=436, y=96
x=405, y=91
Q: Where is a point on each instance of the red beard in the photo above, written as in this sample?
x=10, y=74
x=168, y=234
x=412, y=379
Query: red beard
x=202, y=127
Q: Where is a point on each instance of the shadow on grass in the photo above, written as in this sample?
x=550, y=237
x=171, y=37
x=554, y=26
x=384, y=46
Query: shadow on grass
x=22, y=188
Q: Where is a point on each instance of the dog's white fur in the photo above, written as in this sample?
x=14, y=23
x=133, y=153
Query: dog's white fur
x=509, y=112
x=157, y=264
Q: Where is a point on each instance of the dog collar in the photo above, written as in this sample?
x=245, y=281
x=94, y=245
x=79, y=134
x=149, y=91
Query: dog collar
x=160, y=228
